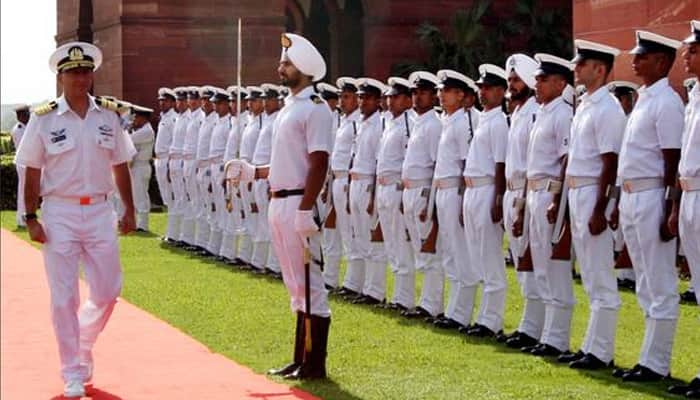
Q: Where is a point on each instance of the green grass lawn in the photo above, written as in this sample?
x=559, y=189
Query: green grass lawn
x=375, y=354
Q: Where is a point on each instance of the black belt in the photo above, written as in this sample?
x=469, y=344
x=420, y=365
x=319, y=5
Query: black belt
x=281, y=194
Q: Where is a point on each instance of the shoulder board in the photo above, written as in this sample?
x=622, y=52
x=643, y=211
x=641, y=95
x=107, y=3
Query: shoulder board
x=45, y=108
x=106, y=104
x=316, y=99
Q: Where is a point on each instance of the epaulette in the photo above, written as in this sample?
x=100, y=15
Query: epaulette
x=316, y=99
x=45, y=108
x=106, y=104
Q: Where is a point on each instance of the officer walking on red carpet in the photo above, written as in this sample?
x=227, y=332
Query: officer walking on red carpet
x=75, y=151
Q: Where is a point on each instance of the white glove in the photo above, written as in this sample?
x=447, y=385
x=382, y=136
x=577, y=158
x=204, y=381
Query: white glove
x=304, y=223
x=232, y=171
x=247, y=171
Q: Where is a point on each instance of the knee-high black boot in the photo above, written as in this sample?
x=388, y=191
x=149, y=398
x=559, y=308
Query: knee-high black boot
x=314, y=364
x=298, y=350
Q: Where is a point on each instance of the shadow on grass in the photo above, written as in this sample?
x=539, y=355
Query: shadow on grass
x=327, y=389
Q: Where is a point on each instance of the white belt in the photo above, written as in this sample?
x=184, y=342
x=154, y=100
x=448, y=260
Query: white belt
x=551, y=184
x=476, y=181
x=574, y=182
x=188, y=157
x=361, y=177
x=82, y=201
x=448, y=183
x=641, y=184
x=515, y=184
x=416, y=183
x=340, y=174
x=176, y=156
x=203, y=163
x=161, y=156
x=216, y=160
x=690, y=184
x=389, y=179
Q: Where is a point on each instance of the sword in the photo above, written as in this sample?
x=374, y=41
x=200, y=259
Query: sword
x=558, y=231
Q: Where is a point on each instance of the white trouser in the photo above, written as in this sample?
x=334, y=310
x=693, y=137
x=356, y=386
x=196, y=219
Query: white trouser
x=164, y=186
x=290, y=249
x=21, y=209
x=654, y=262
x=189, y=208
x=217, y=209
x=246, y=231
x=619, y=243
x=232, y=223
x=533, y=311
x=332, y=247
x=140, y=177
x=203, y=207
x=415, y=201
x=396, y=243
x=373, y=253
x=689, y=231
x=484, y=241
x=177, y=203
x=355, y=271
x=460, y=272
x=554, y=279
x=80, y=233
x=595, y=255
x=263, y=254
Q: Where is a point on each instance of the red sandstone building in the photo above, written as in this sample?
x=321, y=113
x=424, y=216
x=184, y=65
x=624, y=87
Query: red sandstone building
x=153, y=43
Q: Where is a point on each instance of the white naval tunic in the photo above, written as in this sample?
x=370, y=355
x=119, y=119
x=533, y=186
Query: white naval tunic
x=76, y=157
x=192, y=195
x=140, y=170
x=249, y=139
x=689, y=167
x=233, y=218
x=597, y=129
x=203, y=205
x=302, y=127
x=217, y=148
x=17, y=132
x=164, y=139
x=549, y=142
x=484, y=238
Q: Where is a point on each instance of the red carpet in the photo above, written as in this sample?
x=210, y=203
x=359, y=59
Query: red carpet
x=137, y=356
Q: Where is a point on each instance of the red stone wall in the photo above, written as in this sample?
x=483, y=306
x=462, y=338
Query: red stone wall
x=615, y=22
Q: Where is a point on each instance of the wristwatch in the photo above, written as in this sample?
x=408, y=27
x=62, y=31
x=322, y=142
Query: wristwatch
x=29, y=216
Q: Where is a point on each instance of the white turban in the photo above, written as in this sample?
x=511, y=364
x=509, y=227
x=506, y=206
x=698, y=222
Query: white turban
x=300, y=52
x=524, y=67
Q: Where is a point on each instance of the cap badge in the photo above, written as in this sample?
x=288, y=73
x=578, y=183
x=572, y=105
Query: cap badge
x=76, y=54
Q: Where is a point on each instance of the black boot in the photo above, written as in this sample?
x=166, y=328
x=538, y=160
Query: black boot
x=314, y=364
x=298, y=350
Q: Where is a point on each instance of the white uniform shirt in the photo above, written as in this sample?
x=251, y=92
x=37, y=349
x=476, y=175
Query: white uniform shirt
x=344, y=145
x=368, y=136
x=75, y=155
x=421, y=153
x=392, y=147
x=690, y=153
x=489, y=144
x=336, y=124
x=191, y=137
x=472, y=115
x=263, y=148
x=234, y=137
x=204, y=136
x=597, y=128
x=655, y=123
x=302, y=127
x=164, y=139
x=180, y=131
x=454, y=145
x=17, y=132
x=250, y=137
x=219, y=137
x=142, y=138
x=521, y=123
x=549, y=139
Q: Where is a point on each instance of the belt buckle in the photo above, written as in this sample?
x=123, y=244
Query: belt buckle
x=84, y=201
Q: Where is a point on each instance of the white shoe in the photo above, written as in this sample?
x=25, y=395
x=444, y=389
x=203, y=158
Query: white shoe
x=87, y=365
x=74, y=388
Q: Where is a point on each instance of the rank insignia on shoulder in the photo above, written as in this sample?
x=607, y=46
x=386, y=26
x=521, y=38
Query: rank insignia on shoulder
x=316, y=99
x=106, y=103
x=45, y=108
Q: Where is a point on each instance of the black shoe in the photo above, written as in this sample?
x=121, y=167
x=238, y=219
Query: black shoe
x=229, y=261
x=619, y=372
x=501, y=337
x=430, y=319
x=569, y=357
x=141, y=230
x=367, y=300
x=343, y=291
x=693, y=394
x=689, y=297
x=521, y=340
x=546, y=350
x=628, y=284
x=464, y=329
x=447, y=323
x=259, y=271
x=479, y=330
x=589, y=362
x=644, y=374
x=330, y=288
x=244, y=266
x=298, y=350
x=396, y=306
x=418, y=312
x=314, y=364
